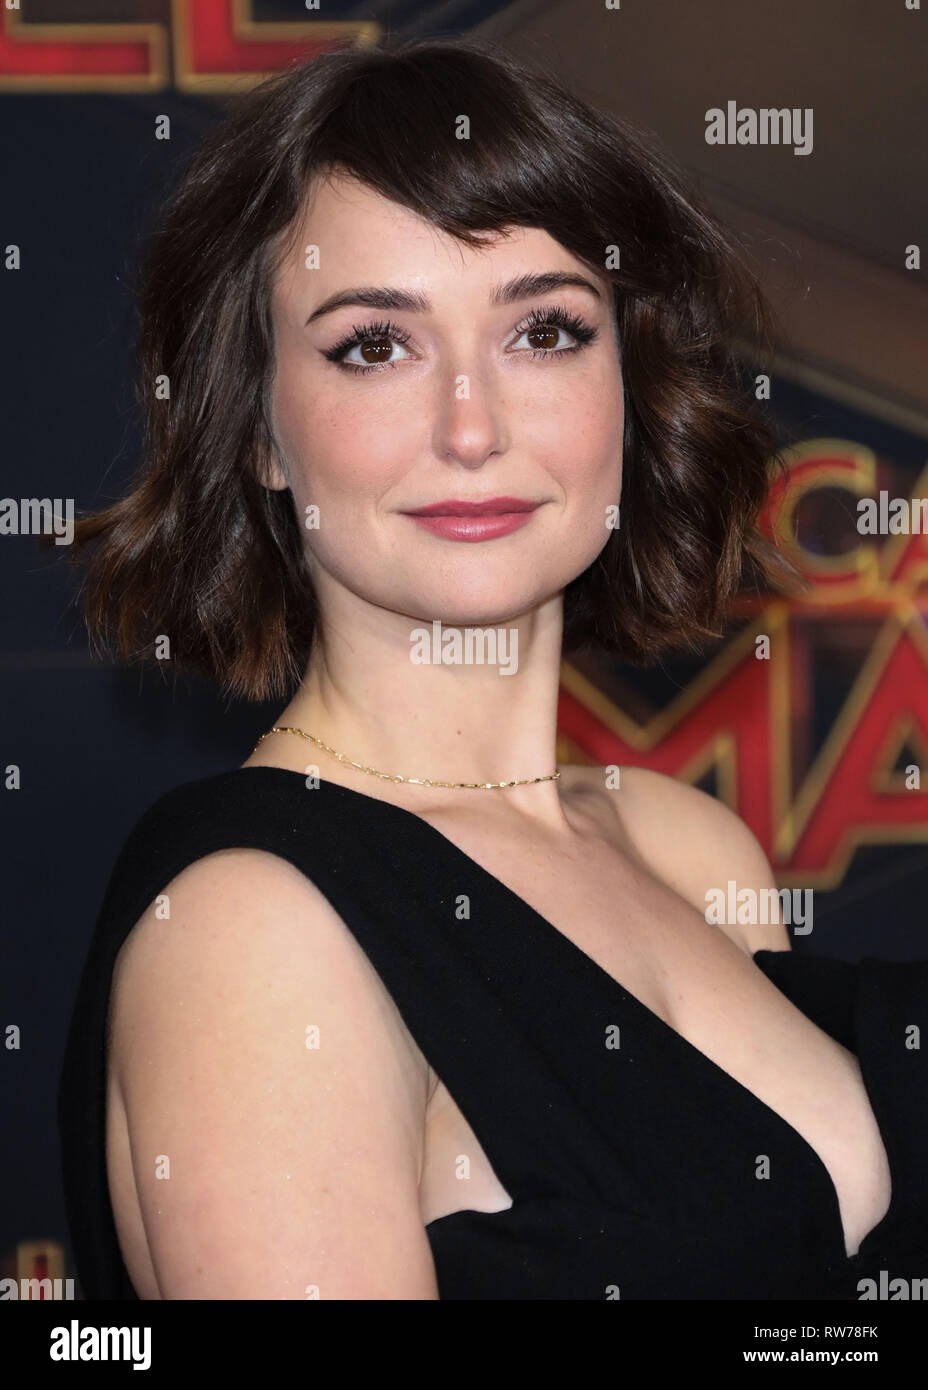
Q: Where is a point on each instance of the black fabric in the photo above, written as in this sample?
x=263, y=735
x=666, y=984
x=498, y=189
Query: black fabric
x=631, y=1168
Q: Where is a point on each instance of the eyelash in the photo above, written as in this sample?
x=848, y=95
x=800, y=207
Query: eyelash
x=555, y=317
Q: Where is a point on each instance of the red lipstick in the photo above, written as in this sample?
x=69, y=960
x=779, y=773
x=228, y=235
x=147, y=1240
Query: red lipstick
x=459, y=520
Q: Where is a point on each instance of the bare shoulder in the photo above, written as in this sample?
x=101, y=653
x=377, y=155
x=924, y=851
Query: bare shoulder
x=253, y=1044
x=688, y=839
x=247, y=913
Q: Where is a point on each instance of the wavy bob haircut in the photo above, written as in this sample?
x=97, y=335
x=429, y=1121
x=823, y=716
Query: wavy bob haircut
x=201, y=550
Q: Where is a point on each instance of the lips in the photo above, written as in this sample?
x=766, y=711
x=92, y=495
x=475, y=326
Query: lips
x=493, y=506
x=458, y=520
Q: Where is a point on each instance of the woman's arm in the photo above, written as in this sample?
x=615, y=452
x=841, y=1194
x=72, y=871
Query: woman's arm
x=290, y=1167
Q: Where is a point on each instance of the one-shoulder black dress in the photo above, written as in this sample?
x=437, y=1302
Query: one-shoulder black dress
x=633, y=1169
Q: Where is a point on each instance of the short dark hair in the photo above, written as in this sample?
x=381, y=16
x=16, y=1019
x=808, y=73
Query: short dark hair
x=201, y=550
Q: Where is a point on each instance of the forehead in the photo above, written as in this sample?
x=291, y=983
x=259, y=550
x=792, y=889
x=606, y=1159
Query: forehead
x=365, y=238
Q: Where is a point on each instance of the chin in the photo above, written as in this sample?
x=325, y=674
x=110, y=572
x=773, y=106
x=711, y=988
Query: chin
x=453, y=607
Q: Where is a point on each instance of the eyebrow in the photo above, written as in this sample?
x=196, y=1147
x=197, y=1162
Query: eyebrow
x=522, y=287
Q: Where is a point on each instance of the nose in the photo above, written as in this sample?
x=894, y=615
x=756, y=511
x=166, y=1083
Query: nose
x=470, y=420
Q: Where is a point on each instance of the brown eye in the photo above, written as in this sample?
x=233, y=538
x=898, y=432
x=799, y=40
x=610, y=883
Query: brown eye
x=375, y=342
x=549, y=334
x=376, y=350
x=542, y=330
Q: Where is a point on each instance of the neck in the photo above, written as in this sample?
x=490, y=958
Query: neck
x=486, y=713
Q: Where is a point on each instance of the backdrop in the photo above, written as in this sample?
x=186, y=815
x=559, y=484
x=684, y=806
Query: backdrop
x=820, y=742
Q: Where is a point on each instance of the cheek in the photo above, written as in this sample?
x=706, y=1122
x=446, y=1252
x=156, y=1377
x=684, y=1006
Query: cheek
x=590, y=451
x=337, y=451
x=590, y=473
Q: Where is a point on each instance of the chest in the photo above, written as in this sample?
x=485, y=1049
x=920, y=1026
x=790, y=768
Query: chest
x=696, y=980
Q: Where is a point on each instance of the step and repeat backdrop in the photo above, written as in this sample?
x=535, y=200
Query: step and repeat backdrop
x=809, y=717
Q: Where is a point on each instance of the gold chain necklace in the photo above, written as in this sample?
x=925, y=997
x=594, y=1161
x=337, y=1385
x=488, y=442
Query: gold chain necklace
x=395, y=776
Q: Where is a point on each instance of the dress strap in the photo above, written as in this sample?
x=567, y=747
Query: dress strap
x=476, y=994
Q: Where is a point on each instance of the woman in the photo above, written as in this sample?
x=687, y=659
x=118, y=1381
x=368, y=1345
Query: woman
x=398, y=1009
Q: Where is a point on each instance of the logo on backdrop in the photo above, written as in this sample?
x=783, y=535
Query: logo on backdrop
x=205, y=46
x=868, y=784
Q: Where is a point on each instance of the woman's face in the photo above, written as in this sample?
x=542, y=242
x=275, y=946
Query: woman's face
x=470, y=387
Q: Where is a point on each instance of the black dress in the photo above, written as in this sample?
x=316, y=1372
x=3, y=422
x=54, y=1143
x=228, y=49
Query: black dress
x=632, y=1169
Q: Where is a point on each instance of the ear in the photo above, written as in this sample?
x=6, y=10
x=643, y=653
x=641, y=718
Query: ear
x=271, y=469
x=270, y=473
